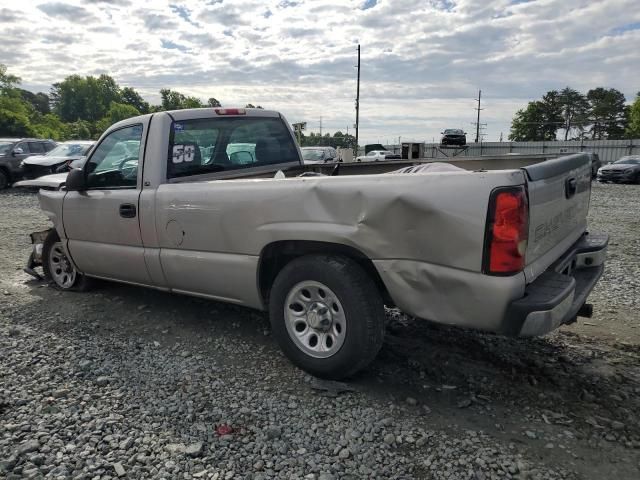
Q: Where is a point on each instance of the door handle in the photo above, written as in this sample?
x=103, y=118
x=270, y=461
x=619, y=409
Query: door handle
x=127, y=210
x=570, y=187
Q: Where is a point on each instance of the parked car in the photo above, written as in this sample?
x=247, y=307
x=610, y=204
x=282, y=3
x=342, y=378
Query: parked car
x=453, y=136
x=311, y=155
x=57, y=160
x=13, y=151
x=505, y=251
x=625, y=170
x=378, y=156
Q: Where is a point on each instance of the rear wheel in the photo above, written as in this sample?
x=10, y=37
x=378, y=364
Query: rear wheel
x=58, y=267
x=327, y=315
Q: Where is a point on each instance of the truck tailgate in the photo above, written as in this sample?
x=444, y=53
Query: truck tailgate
x=559, y=193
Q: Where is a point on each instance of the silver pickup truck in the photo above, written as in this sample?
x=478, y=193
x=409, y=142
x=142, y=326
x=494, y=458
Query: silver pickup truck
x=217, y=203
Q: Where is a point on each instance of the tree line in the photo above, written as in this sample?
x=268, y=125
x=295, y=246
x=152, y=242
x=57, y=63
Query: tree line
x=79, y=107
x=338, y=139
x=83, y=107
x=601, y=113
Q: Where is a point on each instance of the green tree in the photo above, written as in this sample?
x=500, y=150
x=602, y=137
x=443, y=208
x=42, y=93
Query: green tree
x=116, y=112
x=50, y=126
x=67, y=98
x=213, y=102
x=7, y=81
x=81, y=130
x=633, y=129
x=130, y=97
x=14, y=117
x=84, y=98
x=39, y=101
x=575, y=109
x=537, y=122
x=173, y=100
x=14, y=111
x=607, y=113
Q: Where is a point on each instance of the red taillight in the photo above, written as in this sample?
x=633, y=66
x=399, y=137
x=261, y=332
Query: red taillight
x=230, y=111
x=507, y=234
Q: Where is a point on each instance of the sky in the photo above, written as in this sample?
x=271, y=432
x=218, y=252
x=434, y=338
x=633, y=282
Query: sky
x=422, y=62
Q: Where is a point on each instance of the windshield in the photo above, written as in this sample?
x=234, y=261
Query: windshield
x=628, y=161
x=316, y=154
x=453, y=131
x=70, y=150
x=4, y=147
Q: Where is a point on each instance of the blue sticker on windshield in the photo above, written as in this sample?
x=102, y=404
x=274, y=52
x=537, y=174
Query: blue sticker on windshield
x=178, y=127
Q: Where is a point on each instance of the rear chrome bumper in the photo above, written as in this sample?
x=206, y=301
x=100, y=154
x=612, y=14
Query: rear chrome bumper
x=556, y=296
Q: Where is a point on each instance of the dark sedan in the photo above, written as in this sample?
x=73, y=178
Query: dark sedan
x=454, y=136
x=625, y=170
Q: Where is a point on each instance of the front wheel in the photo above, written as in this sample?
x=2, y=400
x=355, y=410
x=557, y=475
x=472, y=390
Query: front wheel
x=58, y=267
x=327, y=315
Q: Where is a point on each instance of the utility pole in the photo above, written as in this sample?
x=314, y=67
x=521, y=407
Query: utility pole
x=478, y=119
x=358, y=102
x=320, y=126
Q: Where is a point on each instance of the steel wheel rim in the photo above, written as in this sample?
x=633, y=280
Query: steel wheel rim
x=315, y=319
x=62, y=271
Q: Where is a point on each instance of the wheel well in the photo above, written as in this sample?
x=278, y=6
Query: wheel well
x=278, y=254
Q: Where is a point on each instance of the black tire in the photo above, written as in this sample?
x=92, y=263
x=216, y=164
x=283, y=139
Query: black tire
x=4, y=179
x=82, y=283
x=363, y=313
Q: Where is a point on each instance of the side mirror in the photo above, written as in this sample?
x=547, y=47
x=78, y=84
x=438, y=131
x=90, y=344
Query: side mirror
x=17, y=151
x=465, y=133
x=76, y=181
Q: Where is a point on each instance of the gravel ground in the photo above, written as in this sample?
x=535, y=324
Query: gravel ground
x=124, y=382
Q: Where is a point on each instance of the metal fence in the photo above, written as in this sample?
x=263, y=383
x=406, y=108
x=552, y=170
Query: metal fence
x=607, y=150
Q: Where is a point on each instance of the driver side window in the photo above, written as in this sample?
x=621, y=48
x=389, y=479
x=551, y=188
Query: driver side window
x=114, y=163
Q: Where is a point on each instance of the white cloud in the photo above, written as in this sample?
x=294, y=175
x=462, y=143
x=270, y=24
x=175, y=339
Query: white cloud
x=422, y=61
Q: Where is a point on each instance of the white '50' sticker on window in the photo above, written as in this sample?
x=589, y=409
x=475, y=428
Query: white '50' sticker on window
x=183, y=153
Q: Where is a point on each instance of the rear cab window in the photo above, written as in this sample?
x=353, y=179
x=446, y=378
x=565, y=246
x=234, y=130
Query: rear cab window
x=223, y=145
